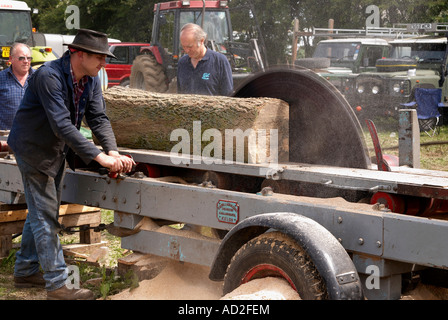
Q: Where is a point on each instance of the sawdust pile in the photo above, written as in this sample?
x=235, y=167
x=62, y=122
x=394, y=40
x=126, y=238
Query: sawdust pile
x=263, y=289
x=185, y=281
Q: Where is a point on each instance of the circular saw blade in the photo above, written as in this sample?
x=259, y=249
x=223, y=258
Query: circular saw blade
x=323, y=127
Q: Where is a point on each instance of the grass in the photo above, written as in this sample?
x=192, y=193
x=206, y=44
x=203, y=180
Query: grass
x=103, y=280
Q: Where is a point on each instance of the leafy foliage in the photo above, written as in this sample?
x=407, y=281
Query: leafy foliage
x=125, y=20
x=131, y=20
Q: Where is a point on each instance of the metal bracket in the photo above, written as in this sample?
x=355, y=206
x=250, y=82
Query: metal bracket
x=347, y=277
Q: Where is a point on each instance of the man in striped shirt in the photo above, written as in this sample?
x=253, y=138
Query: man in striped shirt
x=13, y=83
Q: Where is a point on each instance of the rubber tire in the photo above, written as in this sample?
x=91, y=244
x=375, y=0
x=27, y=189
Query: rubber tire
x=395, y=65
x=147, y=74
x=125, y=83
x=276, y=249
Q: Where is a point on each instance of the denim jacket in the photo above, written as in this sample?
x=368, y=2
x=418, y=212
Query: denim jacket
x=43, y=129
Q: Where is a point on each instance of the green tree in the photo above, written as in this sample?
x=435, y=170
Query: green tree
x=131, y=20
x=120, y=19
x=272, y=18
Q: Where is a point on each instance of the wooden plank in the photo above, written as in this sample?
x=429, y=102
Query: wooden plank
x=92, y=219
x=5, y=245
x=12, y=220
x=7, y=206
x=82, y=248
x=75, y=208
x=65, y=209
x=89, y=236
x=13, y=215
x=8, y=228
x=81, y=219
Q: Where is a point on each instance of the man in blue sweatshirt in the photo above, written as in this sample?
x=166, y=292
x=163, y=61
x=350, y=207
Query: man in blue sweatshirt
x=202, y=71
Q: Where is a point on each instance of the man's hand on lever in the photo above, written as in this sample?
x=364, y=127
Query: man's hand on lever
x=115, y=162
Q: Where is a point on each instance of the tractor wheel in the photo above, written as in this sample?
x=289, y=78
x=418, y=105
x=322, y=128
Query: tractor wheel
x=147, y=74
x=275, y=255
x=125, y=83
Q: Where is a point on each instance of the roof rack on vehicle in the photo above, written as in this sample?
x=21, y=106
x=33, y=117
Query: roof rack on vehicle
x=397, y=31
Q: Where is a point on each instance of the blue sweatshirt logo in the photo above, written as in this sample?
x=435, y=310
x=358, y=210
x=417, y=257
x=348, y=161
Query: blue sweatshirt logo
x=206, y=76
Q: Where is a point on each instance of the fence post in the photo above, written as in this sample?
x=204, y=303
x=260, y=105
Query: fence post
x=408, y=138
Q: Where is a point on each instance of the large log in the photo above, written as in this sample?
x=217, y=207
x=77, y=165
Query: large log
x=185, y=123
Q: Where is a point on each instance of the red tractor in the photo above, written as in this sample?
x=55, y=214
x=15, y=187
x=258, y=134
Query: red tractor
x=156, y=67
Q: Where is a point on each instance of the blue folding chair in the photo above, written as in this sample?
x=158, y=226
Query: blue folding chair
x=427, y=103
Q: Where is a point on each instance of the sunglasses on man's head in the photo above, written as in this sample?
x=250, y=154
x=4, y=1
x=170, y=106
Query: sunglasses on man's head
x=23, y=58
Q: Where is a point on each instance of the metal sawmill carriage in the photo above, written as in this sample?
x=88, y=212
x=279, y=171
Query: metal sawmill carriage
x=309, y=220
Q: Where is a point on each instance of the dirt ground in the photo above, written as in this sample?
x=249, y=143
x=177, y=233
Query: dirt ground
x=9, y=292
x=185, y=281
x=173, y=280
x=178, y=281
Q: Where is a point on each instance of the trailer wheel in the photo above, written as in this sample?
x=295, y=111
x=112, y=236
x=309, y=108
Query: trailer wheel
x=275, y=255
x=147, y=74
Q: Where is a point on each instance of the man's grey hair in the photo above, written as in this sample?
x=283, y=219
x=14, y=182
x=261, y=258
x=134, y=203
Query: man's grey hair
x=16, y=45
x=198, y=32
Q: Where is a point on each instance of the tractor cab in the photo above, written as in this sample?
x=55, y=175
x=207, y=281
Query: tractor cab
x=15, y=26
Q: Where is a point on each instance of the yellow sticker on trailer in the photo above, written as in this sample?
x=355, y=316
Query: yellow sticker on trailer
x=5, y=52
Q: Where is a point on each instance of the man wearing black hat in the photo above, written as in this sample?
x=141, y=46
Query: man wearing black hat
x=44, y=137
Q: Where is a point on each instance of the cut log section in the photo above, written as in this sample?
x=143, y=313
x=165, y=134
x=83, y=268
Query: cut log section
x=253, y=130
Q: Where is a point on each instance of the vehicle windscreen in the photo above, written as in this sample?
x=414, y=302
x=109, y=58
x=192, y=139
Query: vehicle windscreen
x=15, y=26
x=215, y=24
x=421, y=52
x=338, y=51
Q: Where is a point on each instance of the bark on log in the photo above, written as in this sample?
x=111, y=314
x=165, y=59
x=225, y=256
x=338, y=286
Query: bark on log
x=148, y=120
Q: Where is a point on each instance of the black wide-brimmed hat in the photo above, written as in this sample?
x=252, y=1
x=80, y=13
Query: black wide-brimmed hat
x=92, y=42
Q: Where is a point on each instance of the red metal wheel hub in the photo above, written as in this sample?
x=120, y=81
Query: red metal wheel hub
x=266, y=270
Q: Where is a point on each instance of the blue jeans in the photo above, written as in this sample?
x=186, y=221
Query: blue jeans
x=40, y=241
